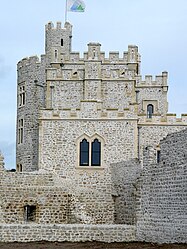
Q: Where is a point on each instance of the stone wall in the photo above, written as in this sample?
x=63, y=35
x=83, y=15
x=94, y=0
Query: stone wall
x=124, y=178
x=71, y=233
x=56, y=199
x=31, y=76
x=162, y=214
x=150, y=134
x=59, y=142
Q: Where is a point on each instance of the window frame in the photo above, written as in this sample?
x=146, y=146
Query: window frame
x=20, y=131
x=95, y=151
x=21, y=96
x=19, y=167
x=150, y=114
x=84, y=153
x=90, y=140
x=30, y=213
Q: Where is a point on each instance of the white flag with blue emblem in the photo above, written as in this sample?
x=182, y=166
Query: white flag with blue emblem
x=75, y=5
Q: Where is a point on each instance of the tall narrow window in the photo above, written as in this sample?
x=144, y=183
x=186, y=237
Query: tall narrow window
x=21, y=96
x=96, y=153
x=84, y=153
x=62, y=42
x=20, y=131
x=150, y=110
x=158, y=156
x=56, y=54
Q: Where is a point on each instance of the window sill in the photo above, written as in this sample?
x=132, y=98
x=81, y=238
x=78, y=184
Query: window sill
x=90, y=167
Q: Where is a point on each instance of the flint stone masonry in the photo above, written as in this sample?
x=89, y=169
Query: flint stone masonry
x=65, y=100
x=151, y=135
x=57, y=199
x=72, y=233
x=124, y=177
x=162, y=214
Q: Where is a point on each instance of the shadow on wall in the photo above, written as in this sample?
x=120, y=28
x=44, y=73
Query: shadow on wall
x=125, y=190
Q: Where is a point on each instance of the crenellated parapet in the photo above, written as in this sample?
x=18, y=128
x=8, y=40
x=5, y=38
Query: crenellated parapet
x=159, y=80
x=32, y=60
x=51, y=26
x=89, y=110
x=168, y=119
x=28, y=61
x=94, y=53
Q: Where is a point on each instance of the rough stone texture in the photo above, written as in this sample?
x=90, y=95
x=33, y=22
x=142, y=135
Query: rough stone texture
x=57, y=198
x=151, y=135
x=162, y=214
x=68, y=99
x=73, y=233
x=124, y=176
x=31, y=75
x=1, y=162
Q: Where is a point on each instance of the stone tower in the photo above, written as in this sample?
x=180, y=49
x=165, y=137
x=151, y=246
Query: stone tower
x=31, y=93
x=105, y=97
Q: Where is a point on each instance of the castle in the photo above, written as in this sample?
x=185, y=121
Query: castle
x=93, y=160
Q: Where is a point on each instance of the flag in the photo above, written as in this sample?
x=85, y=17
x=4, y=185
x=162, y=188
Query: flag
x=75, y=5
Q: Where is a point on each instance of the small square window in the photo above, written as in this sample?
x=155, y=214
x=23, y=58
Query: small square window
x=30, y=213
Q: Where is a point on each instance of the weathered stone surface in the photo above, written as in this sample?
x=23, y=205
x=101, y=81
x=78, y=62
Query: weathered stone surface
x=74, y=233
x=64, y=99
x=162, y=213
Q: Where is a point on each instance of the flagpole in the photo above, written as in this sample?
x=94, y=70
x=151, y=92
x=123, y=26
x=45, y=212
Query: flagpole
x=66, y=11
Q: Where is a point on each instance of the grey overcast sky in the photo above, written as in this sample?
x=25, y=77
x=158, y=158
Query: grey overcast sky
x=157, y=27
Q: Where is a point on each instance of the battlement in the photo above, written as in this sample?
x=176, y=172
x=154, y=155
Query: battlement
x=31, y=60
x=89, y=110
x=159, y=80
x=114, y=57
x=169, y=119
x=51, y=26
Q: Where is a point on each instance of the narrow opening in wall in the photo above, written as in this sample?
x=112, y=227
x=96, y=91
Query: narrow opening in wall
x=19, y=168
x=30, y=213
x=56, y=54
x=150, y=110
x=158, y=156
x=62, y=42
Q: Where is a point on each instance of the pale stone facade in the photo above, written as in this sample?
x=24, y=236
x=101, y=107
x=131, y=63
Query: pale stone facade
x=82, y=125
x=162, y=210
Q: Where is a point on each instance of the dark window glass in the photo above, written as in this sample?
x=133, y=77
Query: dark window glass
x=62, y=42
x=23, y=100
x=30, y=213
x=96, y=153
x=158, y=156
x=150, y=110
x=84, y=153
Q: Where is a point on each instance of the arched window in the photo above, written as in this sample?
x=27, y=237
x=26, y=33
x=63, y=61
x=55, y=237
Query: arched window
x=90, y=151
x=96, y=153
x=84, y=153
x=150, y=110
